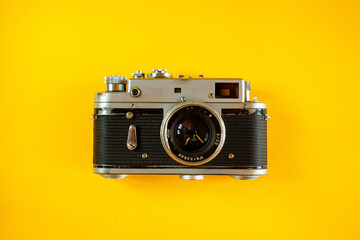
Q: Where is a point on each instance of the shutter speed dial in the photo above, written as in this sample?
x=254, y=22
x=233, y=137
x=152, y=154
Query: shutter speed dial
x=159, y=73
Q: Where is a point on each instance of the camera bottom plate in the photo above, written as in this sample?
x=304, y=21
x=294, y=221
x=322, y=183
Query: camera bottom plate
x=186, y=174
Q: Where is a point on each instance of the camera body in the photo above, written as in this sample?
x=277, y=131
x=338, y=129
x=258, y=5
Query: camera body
x=184, y=126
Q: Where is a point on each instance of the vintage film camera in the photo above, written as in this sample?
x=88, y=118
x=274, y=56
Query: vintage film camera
x=186, y=126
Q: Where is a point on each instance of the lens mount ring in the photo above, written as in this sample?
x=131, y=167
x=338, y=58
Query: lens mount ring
x=216, y=146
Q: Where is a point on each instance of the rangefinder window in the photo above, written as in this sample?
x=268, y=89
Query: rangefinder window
x=226, y=90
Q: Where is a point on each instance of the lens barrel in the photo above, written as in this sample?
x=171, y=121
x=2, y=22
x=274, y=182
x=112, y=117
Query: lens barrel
x=192, y=133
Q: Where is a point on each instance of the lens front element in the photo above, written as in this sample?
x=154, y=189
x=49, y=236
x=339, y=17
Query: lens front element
x=191, y=130
x=192, y=134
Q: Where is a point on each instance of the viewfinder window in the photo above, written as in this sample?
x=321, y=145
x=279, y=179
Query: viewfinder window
x=226, y=90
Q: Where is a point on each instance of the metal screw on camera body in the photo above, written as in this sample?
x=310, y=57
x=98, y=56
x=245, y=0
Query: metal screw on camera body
x=231, y=156
x=183, y=99
x=211, y=95
x=131, y=145
x=129, y=115
x=144, y=155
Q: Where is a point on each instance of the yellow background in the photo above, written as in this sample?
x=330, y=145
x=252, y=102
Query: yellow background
x=302, y=58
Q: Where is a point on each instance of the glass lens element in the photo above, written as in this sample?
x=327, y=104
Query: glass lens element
x=192, y=133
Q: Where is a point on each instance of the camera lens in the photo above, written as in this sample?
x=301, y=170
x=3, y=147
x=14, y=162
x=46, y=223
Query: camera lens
x=192, y=135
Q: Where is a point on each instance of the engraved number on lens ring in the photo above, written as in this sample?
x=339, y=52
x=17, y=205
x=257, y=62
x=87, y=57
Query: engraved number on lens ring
x=135, y=92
